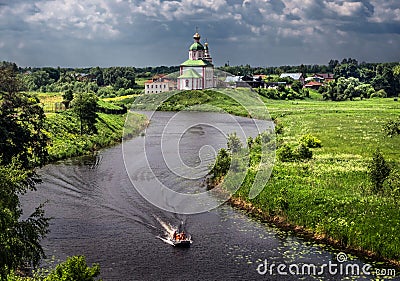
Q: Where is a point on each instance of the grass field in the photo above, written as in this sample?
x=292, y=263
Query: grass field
x=352, y=128
x=330, y=195
x=63, y=128
x=49, y=100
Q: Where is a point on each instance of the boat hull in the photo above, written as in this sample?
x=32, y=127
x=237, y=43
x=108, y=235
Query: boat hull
x=182, y=244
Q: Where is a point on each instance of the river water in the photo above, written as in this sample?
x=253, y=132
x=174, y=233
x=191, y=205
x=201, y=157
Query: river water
x=97, y=212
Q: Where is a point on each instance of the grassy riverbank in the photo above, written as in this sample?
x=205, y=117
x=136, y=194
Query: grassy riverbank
x=63, y=129
x=329, y=197
x=66, y=141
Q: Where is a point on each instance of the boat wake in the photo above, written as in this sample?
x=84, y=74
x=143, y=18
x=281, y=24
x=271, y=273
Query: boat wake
x=166, y=240
x=174, y=236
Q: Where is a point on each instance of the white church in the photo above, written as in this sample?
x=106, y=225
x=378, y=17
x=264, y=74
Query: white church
x=197, y=72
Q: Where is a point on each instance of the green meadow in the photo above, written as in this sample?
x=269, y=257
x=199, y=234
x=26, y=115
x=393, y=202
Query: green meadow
x=348, y=129
x=63, y=128
x=329, y=196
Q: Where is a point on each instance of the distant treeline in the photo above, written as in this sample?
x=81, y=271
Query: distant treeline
x=109, y=80
x=352, y=79
x=334, y=66
x=118, y=81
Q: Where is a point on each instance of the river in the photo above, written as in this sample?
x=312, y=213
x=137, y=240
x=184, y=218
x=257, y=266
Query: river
x=97, y=212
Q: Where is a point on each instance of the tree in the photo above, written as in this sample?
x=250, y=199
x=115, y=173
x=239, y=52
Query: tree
x=97, y=72
x=396, y=70
x=342, y=89
x=74, y=268
x=332, y=64
x=21, y=123
x=392, y=127
x=234, y=143
x=380, y=83
x=346, y=70
x=37, y=80
x=363, y=91
x=396, y=75
x=84, y=105
x=297, y=86
x=19, y=239
x=378, y=171
x=68, y=96
x=221, y=166
x=22, y=146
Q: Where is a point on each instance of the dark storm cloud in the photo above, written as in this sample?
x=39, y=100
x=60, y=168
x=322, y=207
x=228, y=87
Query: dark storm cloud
x=155, y=32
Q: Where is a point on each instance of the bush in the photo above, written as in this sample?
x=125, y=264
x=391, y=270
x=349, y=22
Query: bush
x=302, y=152
x=278, y=127
x=264, y=138
x=392, y=184
x=379, y=94
x=392, y=127
x=74, y=268
x=234, y=143
x=310, y=141
x=378, y=171
x=106, y=92
x=221, y=166
x=285, y=153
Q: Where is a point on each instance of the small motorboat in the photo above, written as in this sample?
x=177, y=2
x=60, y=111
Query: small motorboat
x=181, y=239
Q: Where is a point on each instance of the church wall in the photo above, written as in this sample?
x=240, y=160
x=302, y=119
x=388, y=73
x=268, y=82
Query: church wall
x=190, y=84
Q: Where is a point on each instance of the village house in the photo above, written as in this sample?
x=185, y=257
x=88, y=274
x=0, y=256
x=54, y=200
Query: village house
x=313, y=85
x=294, y=76
x=159, y=84
x=325, y=76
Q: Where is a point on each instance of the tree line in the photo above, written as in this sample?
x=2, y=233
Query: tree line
x=352, y=79
x=49, y=79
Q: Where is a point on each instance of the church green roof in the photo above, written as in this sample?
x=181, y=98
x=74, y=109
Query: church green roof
x=189, y=73
x=196, y=63
x=196, y=46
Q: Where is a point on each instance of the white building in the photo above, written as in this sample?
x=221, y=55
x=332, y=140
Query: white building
x=198, y=71
x=158, y=85
x=294, y=76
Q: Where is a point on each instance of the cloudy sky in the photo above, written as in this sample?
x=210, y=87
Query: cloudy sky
x=78, y=33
